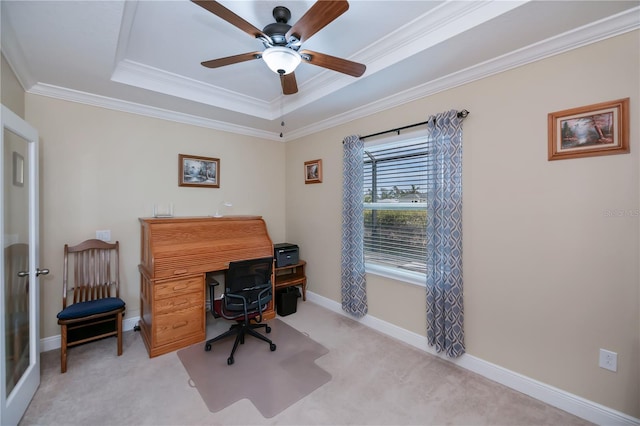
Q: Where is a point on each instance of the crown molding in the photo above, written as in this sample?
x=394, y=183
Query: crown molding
x=597, y=31
x=592, y=33
x=437, y=25
x=135, y=108
x=143, y=76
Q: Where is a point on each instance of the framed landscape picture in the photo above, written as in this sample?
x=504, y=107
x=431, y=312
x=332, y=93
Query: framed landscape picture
x=194, y=170
x=588, y=131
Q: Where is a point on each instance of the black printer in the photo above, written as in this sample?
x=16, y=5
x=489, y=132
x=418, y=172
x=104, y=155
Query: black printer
x=285, y=254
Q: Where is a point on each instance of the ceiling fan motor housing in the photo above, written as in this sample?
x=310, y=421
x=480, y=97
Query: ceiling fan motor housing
x=278, y=29
x=281, y=14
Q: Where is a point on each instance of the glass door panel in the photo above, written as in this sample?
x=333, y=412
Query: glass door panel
x=19, y=296
x=16, y=274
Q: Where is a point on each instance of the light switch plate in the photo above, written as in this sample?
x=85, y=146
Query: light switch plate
x=104, y=235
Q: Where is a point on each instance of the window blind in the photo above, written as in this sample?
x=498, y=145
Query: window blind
x=394, y=197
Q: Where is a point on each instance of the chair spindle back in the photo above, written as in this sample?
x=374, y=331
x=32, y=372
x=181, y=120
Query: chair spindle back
x=95, y=271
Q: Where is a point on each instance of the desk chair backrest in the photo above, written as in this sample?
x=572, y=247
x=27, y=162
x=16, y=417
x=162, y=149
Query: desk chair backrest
x=91, y=272
x=248, y=285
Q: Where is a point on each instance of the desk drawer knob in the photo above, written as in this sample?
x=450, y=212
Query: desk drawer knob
x=180, y=271
x=180, y=287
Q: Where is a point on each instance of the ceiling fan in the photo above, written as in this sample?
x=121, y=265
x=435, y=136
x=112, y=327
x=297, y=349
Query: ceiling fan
x=282, y=41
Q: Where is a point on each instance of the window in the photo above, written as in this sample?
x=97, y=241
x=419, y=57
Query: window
x=395, y=209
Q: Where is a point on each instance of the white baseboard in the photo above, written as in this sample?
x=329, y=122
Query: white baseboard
x=53, y=342
x=548, y=394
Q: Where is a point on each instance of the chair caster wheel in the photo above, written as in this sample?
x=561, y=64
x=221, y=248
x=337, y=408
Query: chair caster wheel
x=207, y=347
x=267, y=329
x=272, y=347
x=230, y=360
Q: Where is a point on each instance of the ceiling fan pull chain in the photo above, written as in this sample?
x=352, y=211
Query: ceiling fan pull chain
x=281, y=114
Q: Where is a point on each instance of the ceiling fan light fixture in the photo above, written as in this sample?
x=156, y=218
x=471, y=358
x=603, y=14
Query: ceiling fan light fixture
x=281, y=60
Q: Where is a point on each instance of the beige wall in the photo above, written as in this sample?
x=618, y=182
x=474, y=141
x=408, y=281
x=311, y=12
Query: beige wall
x=11, y=92
x=549, y=278
x=102, y=169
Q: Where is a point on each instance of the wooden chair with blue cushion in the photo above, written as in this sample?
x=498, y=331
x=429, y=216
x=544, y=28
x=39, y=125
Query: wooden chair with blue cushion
x=91, y=304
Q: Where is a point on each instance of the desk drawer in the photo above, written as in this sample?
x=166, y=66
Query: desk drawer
x=173, y=323
x=178, y=303
x=179, y=287
x=177, y=266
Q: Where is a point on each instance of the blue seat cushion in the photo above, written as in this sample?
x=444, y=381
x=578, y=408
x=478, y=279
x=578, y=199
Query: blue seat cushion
x=84, y=309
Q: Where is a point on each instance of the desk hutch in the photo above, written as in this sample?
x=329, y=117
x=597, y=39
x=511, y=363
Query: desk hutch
x=292, y=275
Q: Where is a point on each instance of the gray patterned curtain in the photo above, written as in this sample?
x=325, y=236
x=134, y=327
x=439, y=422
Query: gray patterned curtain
x=354, y=289
x=444, y=235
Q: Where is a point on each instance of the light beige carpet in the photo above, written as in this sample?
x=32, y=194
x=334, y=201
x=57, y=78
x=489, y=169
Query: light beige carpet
x=376, y=381
x=272, y=381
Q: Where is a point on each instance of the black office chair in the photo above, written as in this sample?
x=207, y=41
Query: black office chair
x=246, y=295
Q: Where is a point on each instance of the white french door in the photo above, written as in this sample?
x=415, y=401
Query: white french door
x=19, y=298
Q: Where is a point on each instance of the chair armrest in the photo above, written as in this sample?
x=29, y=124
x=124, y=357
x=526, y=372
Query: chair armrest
x=263, y=293
x=236, y=297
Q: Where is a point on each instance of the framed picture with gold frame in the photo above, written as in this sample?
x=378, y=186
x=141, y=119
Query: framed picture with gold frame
x=194, y=170
x=589, y=131
x=313, y=171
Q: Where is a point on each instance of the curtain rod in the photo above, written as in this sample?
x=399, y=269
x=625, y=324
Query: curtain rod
x=461, y=114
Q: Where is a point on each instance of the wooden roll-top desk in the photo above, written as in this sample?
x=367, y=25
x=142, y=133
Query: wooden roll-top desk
x=176, y=254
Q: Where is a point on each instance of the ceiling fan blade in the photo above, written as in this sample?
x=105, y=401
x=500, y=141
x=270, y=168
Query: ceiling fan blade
x=317, y=17
x=289, y=85
x=333, y=63
x=229, y=60
x=224, y=13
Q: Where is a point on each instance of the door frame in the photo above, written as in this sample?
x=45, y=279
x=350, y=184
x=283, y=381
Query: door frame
x=14, y=405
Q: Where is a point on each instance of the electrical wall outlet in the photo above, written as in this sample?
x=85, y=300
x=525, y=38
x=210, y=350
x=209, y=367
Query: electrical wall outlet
x=608, y=360
x=104, y=235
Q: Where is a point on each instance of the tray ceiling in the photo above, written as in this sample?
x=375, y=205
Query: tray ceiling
x=144, y=56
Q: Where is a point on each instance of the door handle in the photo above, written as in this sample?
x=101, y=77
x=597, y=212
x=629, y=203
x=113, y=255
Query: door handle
x=39, y=271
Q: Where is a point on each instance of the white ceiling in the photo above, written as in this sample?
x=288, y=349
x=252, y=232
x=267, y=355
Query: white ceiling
x=144, y=56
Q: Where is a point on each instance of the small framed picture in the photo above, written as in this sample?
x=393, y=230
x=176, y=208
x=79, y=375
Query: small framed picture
x=313, y=171
x=194, y=170
x=18, y=169
x=589, y=131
